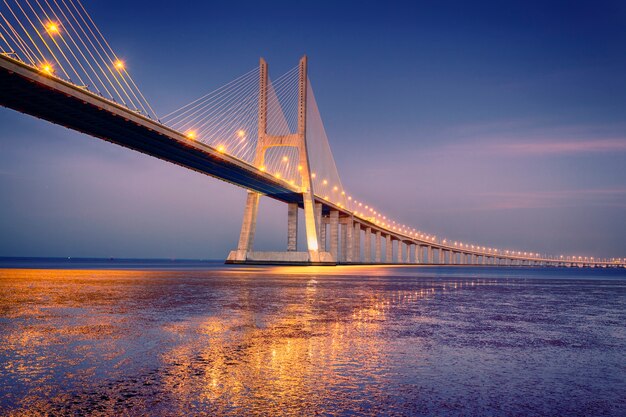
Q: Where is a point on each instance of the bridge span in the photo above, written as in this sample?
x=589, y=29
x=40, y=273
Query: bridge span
x=341, y=235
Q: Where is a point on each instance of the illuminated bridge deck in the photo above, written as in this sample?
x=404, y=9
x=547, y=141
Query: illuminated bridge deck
x=59, y=102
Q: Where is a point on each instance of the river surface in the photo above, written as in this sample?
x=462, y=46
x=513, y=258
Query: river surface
x=173, y=338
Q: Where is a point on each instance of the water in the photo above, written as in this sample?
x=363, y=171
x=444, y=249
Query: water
x=198, y=338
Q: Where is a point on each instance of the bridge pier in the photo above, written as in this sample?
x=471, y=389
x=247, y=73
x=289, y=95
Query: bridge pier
x=356, y=248
x=399, y=257
x=388, y=249
x=292, y=227
x=367, y=246
x=378, y=254
x=334, y=234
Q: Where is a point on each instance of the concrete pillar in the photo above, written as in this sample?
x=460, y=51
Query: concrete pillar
x=399, y=254
x=349, y=229
x=318, y=222
x=248, y=226
x=388, y=249
x=418, y=254
x=379, y=244
x=334, y=234
x=344, y=242
x=356, y=239
x=441, y=256
x=429, y=255
x=411, y=249
x=367, y=248
x=323, y=225
x=292, y=227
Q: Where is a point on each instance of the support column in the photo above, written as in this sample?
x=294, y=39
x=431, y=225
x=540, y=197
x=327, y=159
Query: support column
x=429, y=255
x=248, y=226
x=349, y=244
x=399, y=254
x=292, y=227
x=411, y=249
x=323, y=224
x=388, y=249
x=367, y=248
x=418, y=254
x=441, y=256
x=318, y=223
x=356, y=239
x=344, y=242
x=379, y=245
x=334, y=234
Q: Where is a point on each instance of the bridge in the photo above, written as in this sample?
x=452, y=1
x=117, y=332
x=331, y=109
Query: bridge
x=263, y=135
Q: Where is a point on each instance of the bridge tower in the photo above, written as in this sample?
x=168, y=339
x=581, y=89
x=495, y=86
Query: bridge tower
x=245, y=249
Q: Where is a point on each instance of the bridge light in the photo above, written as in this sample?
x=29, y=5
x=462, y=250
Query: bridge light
x=262, y=169
x=313, y=175
x=119, y=64
x=335, y=188
x=299, y=167
x=285, y=159
x=191, y=134
x=52, y=28
x=277, y=175
x=324, y=182
x=241, y=133
x=47, y=68
x=221, y=149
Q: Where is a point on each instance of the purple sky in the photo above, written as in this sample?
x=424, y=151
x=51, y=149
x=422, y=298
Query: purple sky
x=503, y=125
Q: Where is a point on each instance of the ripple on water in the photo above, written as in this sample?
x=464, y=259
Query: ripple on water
x=281, y=341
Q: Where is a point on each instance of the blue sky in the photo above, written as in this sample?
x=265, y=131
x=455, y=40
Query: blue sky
x=499, y=124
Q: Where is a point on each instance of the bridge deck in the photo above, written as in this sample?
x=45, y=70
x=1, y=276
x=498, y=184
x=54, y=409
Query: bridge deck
x=28, y=91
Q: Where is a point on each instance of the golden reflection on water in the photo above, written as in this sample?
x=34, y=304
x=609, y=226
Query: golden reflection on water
x=253, y=350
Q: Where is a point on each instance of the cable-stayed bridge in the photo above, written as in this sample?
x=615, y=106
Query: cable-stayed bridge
x=265, y=135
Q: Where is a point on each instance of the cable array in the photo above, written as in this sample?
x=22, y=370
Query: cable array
x=324, y=175
x=60, y=39
x=227, y=119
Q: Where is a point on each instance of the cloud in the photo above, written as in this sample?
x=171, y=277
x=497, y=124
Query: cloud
x=605, y=197
x=559, y=147
x=519, y=138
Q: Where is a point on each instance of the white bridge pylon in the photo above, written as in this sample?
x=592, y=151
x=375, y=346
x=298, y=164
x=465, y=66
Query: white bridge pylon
x=245, y=248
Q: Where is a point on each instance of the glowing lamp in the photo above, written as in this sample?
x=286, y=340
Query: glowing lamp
x=52, y=28
x=47, y=68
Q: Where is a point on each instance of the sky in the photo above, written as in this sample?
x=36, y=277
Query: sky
x=496, y=123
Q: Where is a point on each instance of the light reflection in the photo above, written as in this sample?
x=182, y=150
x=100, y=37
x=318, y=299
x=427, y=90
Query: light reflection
x=237, y=345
